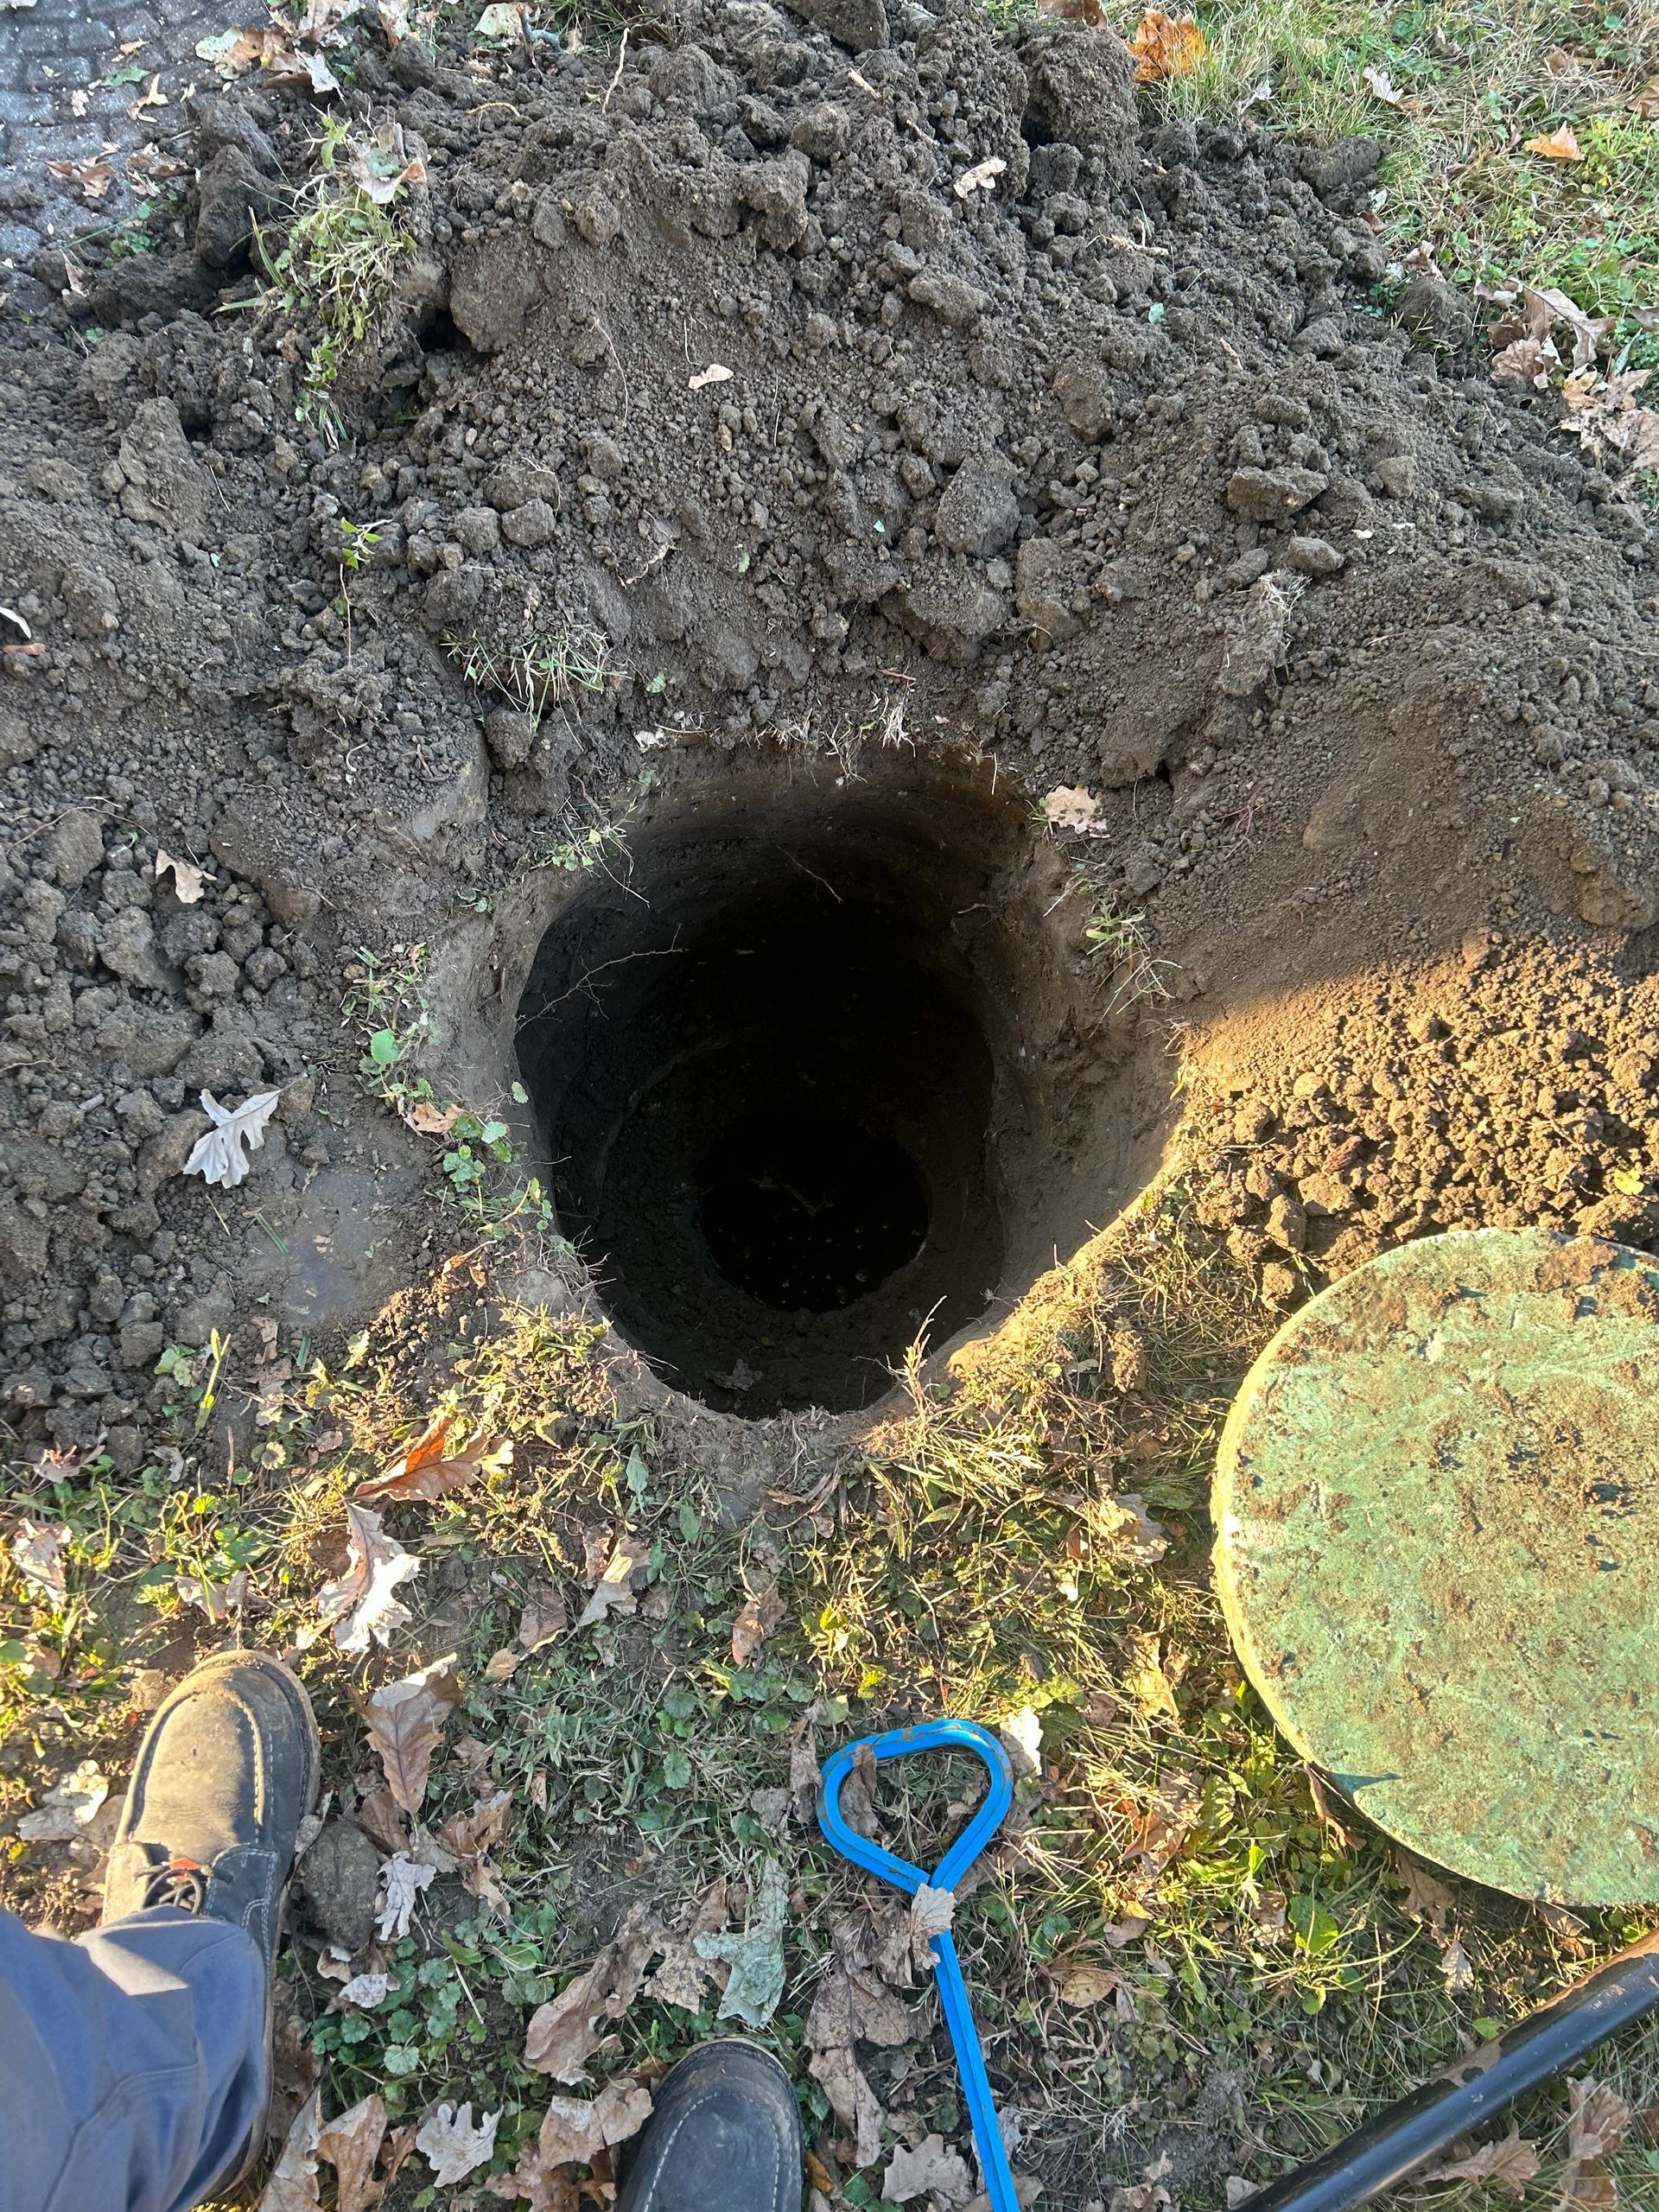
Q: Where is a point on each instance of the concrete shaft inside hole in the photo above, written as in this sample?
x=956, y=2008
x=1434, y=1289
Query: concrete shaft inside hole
x=779, y=1065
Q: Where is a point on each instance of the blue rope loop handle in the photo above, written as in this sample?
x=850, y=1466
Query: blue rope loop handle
x=897, y=1743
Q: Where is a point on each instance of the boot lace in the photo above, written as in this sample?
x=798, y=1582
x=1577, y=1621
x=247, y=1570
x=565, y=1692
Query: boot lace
x=180, y=1883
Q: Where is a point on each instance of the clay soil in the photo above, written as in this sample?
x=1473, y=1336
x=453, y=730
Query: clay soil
x=1048, y=450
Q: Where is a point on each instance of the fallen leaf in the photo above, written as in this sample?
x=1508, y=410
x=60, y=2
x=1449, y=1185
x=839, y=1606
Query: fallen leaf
x=1646, y=102
x=359, y=1603
x=424, y=1472
x=980, y=178
x=546, y=2189
x=351, y=2145
x=1526, y=360
x=755, y=1957
x=155, y=96
x=931, y=1912
x=1087, y=1986
x=852, y=2006
x=1511, y=2164
x=404, y=1721
x=928, y=2171
x=471, y=1837
x=92, y=177
x=579, y=2128
x=1608, y=420
x=858, y=1795
x=37, y=1554
x=1426, y=1897
x=615, y=1591
x=1073, y=11
x=1454, y=1965
x=1169, y=1817
x=68, y=1808
x=293, y=2184
x=1022, y=1739
x=760, y=1613
x=402, y=1880
x=1598, y=2119
x=218, y=1600
x=430, y=1120
x=716, y=373
x=501, y=19
x=276, y=53
x=1146, y=1678
x=382, y=1822
x=1381, y=87
x=561, y=2036
x=323, y=21
x=803, y=1777
x=364, y=1992
x=1560, y=145
x=393, y=17
x=453, y=2146
x=680, y=1978
x=1166, y=45
x=219, y=1156
x=1069, y=806
x=187, y=880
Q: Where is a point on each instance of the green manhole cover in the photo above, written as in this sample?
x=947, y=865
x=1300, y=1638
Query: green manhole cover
x=1437, y=1507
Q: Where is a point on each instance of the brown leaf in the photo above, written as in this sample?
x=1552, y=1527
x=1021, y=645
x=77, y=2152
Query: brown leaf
x=1646, y=102
x=1147, y=1677
x=1086, y=1986
x=577, y=2128
x=394, y=18
x=1599, y=2119
x=546, y=2189
x=37, y=1554
x=351, y=2145
x=858, y=1795
x=293, y=2184
x=93, y=178
x=382, y=1822
x=430, y=1120
x=1166, y=45
x=929, y=2171
x=359, y=1603
x=424, y=1472
x=471, y=1836
x=1560, y=145
x=1074, y=11
x=615, y=1592
x=405, y=1720
x=544, y=1618
x=761, y=1612
x=187, y=880
x=1511, y=2164
x=1526, y=360
x=1163, y=1826
x=803, y=1777
x=682, y=1975
x=562, y=2035
x=1070, y=806
x=1425, y=1897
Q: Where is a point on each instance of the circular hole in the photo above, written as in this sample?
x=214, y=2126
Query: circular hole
x=792, y=1068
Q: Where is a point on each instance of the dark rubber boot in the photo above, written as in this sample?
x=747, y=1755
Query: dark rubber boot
x=725, y=2137
x=226, y=1772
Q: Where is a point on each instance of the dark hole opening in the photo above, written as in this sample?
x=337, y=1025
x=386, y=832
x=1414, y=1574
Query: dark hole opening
x=814, y=1214
x=780, y=1071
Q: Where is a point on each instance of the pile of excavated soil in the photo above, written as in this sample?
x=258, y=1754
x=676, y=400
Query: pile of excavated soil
x=795, y=386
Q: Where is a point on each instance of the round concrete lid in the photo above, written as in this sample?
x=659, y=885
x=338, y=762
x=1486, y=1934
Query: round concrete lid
x=1437, y=1515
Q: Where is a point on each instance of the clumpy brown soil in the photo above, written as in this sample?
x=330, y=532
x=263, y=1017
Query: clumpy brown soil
x=1120, y=473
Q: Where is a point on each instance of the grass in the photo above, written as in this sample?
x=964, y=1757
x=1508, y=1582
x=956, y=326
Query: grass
x=1023, y=1541
x=1478, y=81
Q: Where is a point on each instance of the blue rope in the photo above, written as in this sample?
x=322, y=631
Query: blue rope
x=936, y=1736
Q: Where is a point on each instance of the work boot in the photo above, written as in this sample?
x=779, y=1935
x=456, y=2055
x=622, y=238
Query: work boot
x=226, y=1772
x=725, y=2137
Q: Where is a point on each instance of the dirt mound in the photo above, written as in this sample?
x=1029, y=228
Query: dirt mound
x=811, y=387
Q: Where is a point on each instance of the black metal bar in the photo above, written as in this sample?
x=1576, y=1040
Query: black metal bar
x=1472, y=2090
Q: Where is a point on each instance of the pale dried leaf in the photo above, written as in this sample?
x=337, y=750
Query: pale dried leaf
x=1526, y=360
x=69, y=1808
x=578, y=2128
x=1381, y=87
x=453, y=2146
x=187, y=880
x=351, y=2145
x=853, y=2102
x=682, y=1975
x=405, y=1720
x=364, y=1992
x=755, y=1957
x=93, y=178
x=361, y=1604
x=803, y=1780
x=1426, y=1897
x=1599, y=2119
x=716, y=373
x=293, y=2184
x=1510, y=2164
x=469, y=1835
x=402, y=1880
x=931, y=2170
x=1022, y=1739
x=615, y=1591
x=981, y=178
x=1070, y=806
x=37, y=1554
x=502, y=19
x=931, y=1912
x=428, y=1119
x=219, y=1157
x=1454, y=1965
x=393, y=16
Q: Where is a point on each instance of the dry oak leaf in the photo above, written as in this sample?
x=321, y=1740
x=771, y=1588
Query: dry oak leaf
x=453, y=2146
x=219, y=1157
x=428, y=1119
x=1381, y=87
x=579, y=2128
x=402, y=1880
x=1070, y=806
x=761, y=1611
x=293, y=2184
x=93, y=178
x=613, y=1592
x=1599, y=2119
x=542, y=1619
x=680, y=1978
x=931, y=2170
x=423, y=1471
x=852, y=2006
x=68, y=1808
x=37, y=1554
x=1426, y=1897
x=561, y=2037
x=1646, y=102
x=359, y=1603
x=393, y=16
x=1086, y=1985
x=1560, y=145
x=187, y=880
x=351, y=2145
x=716, y=373
x=405, y=1720
x=544, y=2188
x=1511, y=2164
x=1166, y=45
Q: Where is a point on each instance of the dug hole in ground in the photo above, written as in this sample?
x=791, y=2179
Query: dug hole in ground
x=876, y=763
